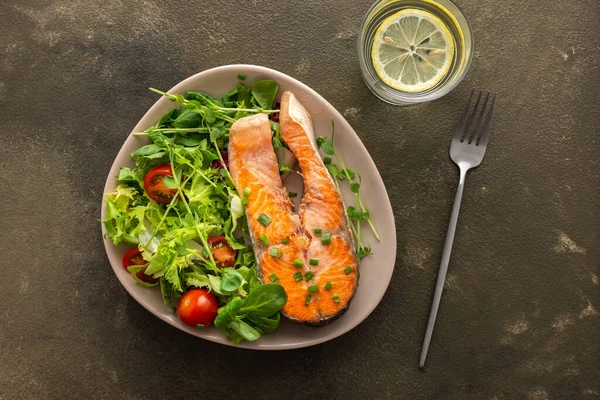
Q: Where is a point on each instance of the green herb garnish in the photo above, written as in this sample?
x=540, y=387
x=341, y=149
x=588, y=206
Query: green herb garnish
x=275, y=252
x=264, y=239
x=308, y=297
x=264, y=219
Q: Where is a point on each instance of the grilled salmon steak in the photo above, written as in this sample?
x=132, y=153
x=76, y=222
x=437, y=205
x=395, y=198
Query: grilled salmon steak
x=310, y=253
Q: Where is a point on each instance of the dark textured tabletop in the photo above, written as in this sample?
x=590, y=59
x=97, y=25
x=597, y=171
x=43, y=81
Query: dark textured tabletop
x=520, y=316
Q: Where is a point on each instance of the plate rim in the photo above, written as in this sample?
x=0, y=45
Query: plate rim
x=221, y=338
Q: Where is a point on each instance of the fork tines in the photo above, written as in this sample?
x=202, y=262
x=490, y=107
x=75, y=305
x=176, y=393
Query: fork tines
x=469, y=126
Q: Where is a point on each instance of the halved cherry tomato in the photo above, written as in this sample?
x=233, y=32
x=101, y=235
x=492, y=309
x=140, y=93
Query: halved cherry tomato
x=154, y=183
x=134, y=257
x=223, y=254
x=197, y=307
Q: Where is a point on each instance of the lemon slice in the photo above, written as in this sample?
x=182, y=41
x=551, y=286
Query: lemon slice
x=412, y=50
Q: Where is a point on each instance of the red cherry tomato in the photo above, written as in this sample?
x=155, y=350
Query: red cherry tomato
x=223, y=254
x=134, y=257
x=197, y=307
x=154, y=183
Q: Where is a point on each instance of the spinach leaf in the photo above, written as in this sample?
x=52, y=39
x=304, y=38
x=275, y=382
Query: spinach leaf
x=231, y=280
x=265, y=300
x=266, y=325
x=188, y=119
x=229, y=313
x=244, y=330
x=265, y=92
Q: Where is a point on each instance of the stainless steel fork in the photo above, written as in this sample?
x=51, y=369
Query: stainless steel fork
x=466, y=150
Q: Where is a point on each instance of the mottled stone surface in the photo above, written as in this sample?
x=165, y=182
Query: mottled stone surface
x=520, y=316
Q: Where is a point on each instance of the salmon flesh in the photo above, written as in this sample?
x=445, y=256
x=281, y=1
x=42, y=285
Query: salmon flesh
x=319, y=271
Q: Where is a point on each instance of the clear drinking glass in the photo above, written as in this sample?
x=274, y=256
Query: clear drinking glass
x=456, y=23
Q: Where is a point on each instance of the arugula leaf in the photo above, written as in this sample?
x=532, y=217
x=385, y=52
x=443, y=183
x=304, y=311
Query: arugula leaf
x=168, y=118
x=363, y=251
x=333, y=169
x=216, y=133
x=149, y=151
x=265, y=92
x=190, y=140
x=327, y=147
x=346, y=174
x=188, y=119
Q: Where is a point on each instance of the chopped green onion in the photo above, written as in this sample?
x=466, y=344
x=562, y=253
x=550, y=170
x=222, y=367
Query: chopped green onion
x=313, y=288
x=336, y=298
x=348, y=269
x=274, y=278
x=247, y=191
x=327, y=160
x=264, y=239
x=298, y=263
x=308, y=276
x=298, y=276
x=275, y=252
x=328, y=285
x=285, y=241
x=313, y=261
x=244, y=201
x=242, y=76
x=264, y=219
x=326, y=238
x=293, y=194
x=318, y=231
x=308, y=297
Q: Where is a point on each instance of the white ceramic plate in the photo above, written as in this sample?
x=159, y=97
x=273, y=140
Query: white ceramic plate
x=375, y=271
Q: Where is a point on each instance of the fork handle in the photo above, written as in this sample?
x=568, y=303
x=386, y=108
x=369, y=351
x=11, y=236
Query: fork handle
x=439, y=287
